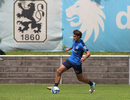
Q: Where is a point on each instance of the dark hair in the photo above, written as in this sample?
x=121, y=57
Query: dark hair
x=78, y=33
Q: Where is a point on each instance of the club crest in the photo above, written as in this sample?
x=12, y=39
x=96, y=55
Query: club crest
x=30, y=21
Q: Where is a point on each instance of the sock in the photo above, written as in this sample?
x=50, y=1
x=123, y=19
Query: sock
x=56, y=84
x=90, y=83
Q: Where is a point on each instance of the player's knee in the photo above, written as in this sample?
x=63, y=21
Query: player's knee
x=59, y=71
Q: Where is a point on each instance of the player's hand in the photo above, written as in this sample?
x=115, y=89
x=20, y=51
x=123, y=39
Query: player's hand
x=67, y=49
x=82, y=60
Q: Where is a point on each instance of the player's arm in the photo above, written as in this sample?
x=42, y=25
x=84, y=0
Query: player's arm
x=67, y=49
x=85, y=57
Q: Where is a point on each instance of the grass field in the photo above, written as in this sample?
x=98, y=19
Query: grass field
x=67, y=92
x=28, y=52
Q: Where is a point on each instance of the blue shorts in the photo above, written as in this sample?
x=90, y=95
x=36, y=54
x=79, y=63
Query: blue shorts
x=77, y=68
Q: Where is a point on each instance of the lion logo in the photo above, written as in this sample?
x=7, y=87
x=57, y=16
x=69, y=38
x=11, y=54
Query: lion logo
x=29, y=13
x=89, y=15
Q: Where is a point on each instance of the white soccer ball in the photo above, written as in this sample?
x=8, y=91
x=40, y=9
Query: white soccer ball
x=55, y=90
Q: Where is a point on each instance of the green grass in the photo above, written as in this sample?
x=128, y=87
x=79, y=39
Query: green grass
x=28, y=52
x=67, y=92
x=24, y=52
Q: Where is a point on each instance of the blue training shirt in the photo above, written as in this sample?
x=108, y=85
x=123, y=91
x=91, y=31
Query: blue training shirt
x=77, y=51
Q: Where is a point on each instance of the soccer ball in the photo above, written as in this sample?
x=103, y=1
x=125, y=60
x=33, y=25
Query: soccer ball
x=55, y=90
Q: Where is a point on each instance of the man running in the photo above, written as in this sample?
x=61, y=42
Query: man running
x=75, y=61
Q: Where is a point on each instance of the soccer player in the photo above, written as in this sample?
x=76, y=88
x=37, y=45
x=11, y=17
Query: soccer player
x=75, y=61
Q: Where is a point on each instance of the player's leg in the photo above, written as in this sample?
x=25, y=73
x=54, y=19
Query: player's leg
x=83, y=79
x=65, y=66
x=60, y=70
x=78, y=71
x=86, y=80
